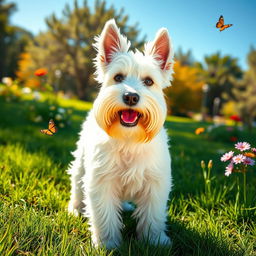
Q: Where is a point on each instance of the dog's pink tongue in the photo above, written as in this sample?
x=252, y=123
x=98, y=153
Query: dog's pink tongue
x=129, y=116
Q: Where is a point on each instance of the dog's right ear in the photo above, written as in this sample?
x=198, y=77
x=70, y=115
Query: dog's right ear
x=108, y=44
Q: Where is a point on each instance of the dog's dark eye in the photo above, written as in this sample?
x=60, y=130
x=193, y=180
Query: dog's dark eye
x=148, y=81
x=119, y=78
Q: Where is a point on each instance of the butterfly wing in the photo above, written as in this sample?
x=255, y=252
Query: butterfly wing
x=47, y=132
x=52, y=127
x=225, y=26
x=220, y=23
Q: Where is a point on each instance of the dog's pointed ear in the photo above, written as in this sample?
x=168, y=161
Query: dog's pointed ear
x=161, y=49
x=109, y=43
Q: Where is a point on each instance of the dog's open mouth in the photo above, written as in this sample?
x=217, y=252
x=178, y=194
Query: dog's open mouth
x=129, y=117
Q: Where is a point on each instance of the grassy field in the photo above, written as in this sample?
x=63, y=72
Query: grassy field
x=34, y=192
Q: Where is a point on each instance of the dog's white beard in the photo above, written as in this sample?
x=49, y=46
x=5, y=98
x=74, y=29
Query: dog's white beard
x=106, y=113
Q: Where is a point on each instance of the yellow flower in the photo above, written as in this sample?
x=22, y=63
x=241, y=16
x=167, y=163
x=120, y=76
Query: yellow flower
x=210, y=164
x=199, y=130
x=203, y=164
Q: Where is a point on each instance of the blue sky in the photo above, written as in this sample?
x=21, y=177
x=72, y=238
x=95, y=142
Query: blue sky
x=191, y=23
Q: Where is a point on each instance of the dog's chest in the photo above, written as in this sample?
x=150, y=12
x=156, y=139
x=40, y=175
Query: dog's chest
x=132, y=173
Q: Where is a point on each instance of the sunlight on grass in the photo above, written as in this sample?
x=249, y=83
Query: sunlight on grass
x=179, y=119
x=76, y=104
x=34, y=193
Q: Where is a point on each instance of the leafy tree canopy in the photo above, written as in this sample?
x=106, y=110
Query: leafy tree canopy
x=68, y=45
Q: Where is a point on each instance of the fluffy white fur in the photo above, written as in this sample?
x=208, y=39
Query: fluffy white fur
x=114, y=163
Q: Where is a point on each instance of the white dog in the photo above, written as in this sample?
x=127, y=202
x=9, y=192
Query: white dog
x=122, y=154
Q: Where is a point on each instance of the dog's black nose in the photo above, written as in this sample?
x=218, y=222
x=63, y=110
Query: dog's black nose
x=131, y=98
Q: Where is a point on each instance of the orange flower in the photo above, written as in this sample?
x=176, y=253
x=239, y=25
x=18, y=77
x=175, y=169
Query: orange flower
x=41, y=72
x=199, y=130
x=249, y=154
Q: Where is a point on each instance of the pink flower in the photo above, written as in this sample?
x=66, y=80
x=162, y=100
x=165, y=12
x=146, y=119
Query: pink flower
x=229, y=169
x=227, y=156
x=249, y=161
x=238, y=159
x=253, y=150
x=242, y=146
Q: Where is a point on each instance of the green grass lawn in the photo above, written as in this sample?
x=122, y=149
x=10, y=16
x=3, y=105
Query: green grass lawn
x=34, y=193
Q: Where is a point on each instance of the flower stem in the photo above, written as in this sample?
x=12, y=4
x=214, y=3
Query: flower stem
x=244, y=172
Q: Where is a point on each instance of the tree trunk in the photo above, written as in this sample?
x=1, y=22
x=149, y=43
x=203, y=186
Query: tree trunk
x=80, y=86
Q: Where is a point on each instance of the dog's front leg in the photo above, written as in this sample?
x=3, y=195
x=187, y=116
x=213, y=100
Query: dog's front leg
x=103, y=208
x=77, y=172
x=151, y=212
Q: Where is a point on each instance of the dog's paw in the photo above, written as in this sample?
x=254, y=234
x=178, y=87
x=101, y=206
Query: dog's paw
x=112, y=244
x=72, y=209
x=163, y=239
x=127, y=207
x=160, y=239
x=109, y=244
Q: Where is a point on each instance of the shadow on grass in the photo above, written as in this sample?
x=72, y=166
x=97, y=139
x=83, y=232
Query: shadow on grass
x=188, y=242
x=185, y=242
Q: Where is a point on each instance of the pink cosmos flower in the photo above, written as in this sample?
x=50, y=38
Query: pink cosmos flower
x=249, y=161
x=229, y=169
x=227, y=156
x=238, y=159
x=253, y=150
x=242, y=146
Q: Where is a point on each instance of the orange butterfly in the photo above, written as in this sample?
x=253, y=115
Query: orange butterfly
x=51, y=129
x=220, y=24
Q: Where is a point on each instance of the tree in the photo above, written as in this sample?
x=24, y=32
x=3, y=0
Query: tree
x=185, y=58
x=219, y=73
x=244, y=91
x=68, y=44
x=185, y=94
x=5, y=32
x=12, y=41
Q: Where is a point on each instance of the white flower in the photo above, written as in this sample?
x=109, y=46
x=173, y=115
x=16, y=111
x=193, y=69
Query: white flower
x=61, y=110
x=26, y=90
x=37, y=95
x=38, y=119
x=7, y=81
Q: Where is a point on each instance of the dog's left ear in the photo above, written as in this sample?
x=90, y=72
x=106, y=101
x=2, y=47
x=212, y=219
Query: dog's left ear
x=108, y=44
x=162, y=51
